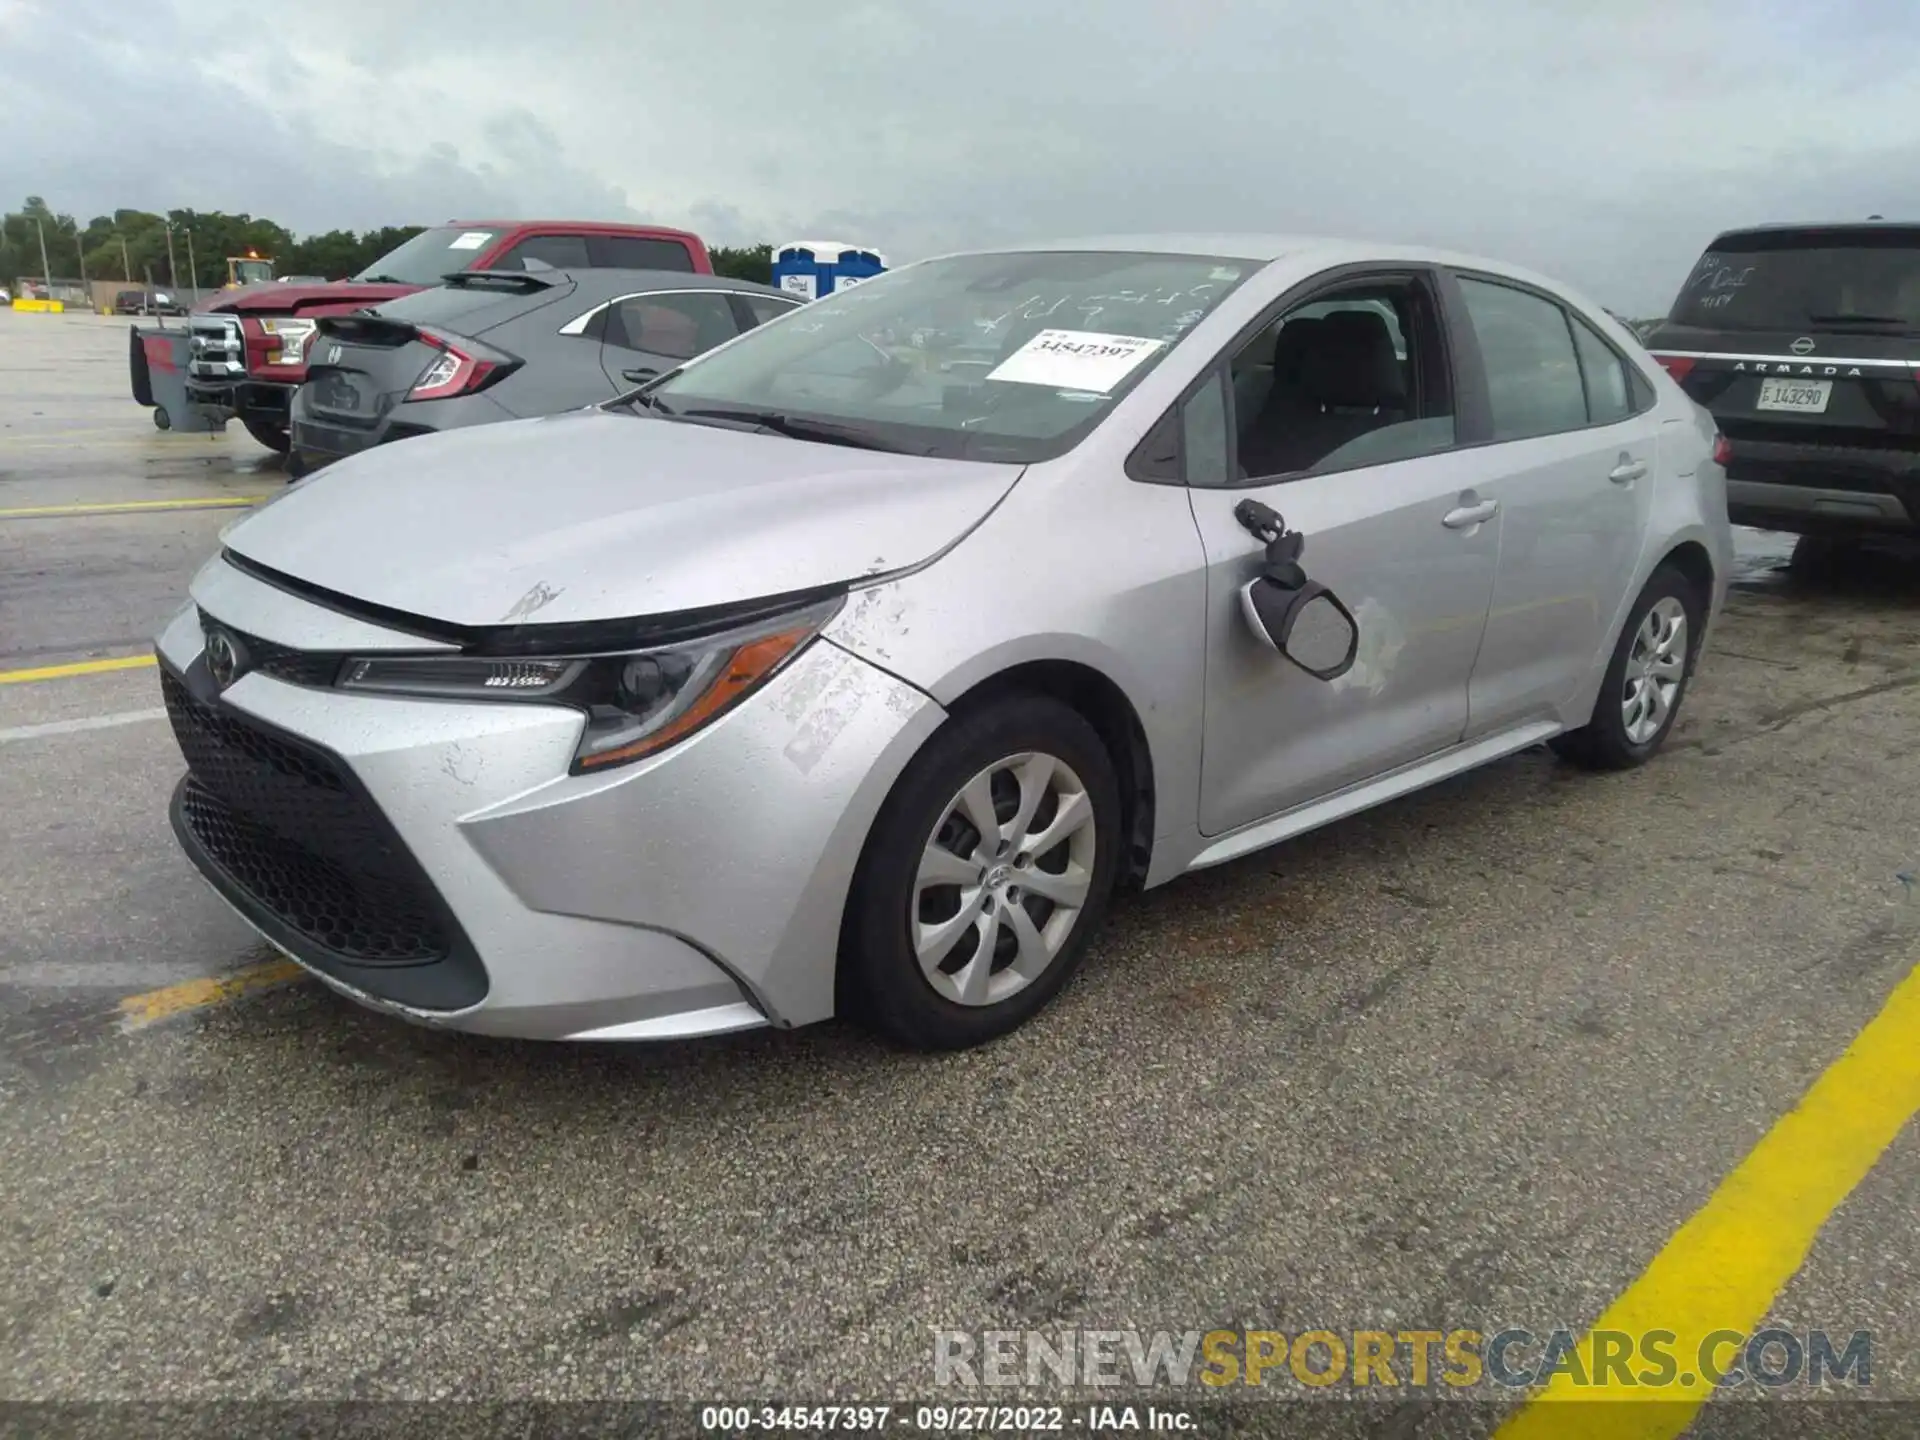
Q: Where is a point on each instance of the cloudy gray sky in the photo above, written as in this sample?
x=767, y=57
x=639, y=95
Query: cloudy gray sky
x=1601, y=144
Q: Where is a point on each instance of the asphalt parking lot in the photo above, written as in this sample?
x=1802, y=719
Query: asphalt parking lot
x=1472, y=1060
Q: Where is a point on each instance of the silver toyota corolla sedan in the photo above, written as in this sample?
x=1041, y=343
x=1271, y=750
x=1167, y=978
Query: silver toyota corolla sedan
x=850, y=667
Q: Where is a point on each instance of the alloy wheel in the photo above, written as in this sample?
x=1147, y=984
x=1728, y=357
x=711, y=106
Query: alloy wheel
x=1656, y=666
x=1003, y=879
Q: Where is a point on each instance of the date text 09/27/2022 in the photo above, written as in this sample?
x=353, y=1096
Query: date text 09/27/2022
x=945, y=1419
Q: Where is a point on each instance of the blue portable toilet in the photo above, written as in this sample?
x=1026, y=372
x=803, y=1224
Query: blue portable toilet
x=814, y=269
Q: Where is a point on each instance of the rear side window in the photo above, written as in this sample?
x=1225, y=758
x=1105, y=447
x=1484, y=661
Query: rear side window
x=1533, y=374
x=1867, y=281
x=1609, y=392
x=635, y=252
x=546, y=252
x=764, y=307
x=678, y=326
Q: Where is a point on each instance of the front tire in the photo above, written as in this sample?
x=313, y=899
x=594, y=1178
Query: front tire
x=985, y=878
x=277, y=438
x=1645, y=681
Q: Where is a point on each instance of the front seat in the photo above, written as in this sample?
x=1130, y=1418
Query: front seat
x=1353, y=382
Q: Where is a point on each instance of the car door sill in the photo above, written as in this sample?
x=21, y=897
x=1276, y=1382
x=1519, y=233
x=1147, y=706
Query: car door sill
x=1368, y=793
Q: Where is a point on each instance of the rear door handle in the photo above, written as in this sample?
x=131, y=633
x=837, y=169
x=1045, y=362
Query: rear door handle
x=1467, y=516
x=638, y=374
x=1627, y=471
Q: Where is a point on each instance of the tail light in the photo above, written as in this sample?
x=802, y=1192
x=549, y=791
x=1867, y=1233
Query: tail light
x=1722, y=450
x=459, y=369
x=1678, y=366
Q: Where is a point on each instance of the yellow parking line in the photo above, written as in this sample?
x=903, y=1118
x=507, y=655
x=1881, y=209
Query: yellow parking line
x=76, y=667
x=1723, y=1269
x=121, y=507
x=139, y=1011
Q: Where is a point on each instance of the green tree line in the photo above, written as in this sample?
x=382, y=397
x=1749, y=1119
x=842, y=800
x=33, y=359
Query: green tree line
x=133, y=246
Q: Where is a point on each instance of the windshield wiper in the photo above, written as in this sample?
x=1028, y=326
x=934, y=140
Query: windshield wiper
x=1854, y=317
x=798, y=427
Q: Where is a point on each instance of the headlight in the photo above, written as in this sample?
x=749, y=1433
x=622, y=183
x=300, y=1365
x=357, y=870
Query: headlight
x=637, y=702
x=292, y=335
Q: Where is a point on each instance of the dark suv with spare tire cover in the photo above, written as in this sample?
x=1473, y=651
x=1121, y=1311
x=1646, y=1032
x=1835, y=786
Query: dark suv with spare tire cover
x=1804, y=343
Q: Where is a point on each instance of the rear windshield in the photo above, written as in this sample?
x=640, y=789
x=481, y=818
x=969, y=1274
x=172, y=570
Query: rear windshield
x=1820, y=280
x=469, y=309
x=431, y=254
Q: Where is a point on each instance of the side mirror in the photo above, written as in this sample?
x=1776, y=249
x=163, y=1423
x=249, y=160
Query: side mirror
x=1307, y=624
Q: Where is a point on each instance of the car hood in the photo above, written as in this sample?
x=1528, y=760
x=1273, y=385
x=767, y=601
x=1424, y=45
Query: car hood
x=592, y=515
x=272, y=297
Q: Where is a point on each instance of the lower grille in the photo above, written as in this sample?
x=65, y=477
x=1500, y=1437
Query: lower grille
x=293, y=831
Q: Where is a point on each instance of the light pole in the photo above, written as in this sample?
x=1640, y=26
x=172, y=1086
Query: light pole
x=80, y=249
x=193, y=271
x=46, y=270
x=126, y=265
x=173, y=280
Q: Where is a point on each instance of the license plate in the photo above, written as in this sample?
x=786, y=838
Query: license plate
x=1807, y=396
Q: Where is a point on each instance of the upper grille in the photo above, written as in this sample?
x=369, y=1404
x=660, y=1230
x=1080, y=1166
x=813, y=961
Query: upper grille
x=294, y=831
x=315, y=668
x=217, y=351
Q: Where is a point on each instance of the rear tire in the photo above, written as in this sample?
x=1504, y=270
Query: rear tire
x=277, y=438
x=162, y=420
x=1646, y=680
x=1002, y=920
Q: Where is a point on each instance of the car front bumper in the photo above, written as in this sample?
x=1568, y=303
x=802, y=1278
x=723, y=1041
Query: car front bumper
x=435, y=860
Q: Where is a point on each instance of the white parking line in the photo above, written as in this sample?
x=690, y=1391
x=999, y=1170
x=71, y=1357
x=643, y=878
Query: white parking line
x=91, y=722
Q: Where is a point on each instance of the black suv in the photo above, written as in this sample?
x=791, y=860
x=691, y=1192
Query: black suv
x=1804, y=342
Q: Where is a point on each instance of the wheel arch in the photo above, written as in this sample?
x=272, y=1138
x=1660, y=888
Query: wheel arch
x=1099, y=700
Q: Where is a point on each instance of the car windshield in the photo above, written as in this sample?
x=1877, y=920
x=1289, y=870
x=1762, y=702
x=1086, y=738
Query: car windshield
x=429, y=256
x=1004, y=357
x=1869, y=281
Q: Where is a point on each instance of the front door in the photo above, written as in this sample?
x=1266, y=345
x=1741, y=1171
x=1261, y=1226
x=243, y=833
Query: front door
x=1346, y=427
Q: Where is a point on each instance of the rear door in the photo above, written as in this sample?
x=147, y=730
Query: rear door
x=648, y=335
x=1572, y=465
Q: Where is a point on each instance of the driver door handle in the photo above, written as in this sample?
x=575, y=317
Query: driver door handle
x=1627, y=471
x=639, y=373
x=1467, y=516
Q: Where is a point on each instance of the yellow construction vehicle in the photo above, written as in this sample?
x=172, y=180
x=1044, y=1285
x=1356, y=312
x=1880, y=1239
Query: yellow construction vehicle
x=247, y=269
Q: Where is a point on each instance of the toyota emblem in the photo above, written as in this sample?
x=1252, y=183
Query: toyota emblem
x=1802, y=346
x=223, y=657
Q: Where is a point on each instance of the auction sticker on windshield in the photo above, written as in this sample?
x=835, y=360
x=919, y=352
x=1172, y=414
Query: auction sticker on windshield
x=472, y=240
x=1075, y=360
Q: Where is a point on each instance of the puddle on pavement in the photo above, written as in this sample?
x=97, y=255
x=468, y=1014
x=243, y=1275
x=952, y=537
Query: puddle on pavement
x=1767, y=562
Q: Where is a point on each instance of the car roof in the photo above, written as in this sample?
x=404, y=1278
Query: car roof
x=1318, y=252
x=1817, y=228
x=584, y=227
x=607, y=281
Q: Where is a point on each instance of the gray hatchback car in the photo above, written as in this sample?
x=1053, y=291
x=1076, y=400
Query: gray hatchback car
x=494, y=345
x=850, y=667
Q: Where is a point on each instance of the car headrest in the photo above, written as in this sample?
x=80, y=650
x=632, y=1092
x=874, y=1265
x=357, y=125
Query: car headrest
x=1352, y=362
x=1293, y=344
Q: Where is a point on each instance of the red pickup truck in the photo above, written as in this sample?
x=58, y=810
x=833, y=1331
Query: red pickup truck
x=247, y=354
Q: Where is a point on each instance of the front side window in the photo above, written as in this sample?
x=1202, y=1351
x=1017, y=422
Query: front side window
x=1011, y=357
x=1355, y=378
x=1533, y=375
